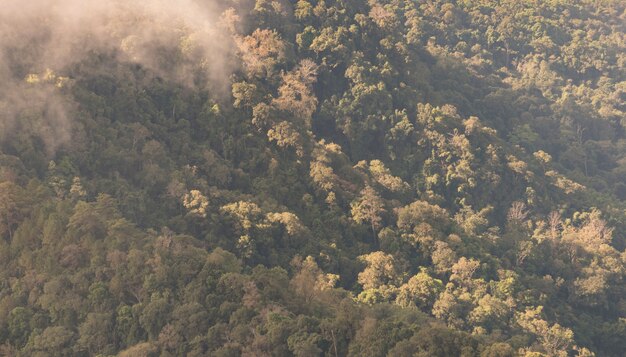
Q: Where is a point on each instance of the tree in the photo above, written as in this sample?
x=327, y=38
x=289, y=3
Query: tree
x=285, y=135
x=295, y=94
x=143, y=349
x=555, y=339
x=464, y=270
x=380, y=270
x=436, y=342
x=76, y=190
x=443, y=257
x=368, y=207
x=424, y=223
x=91, y=218
x=517, y=213
x=188, y=321
x=55, y=340
x=12, y=207
x=196, y=203
x=261, y=52
x=96, y=334
x=490, y=312
x=421, y=290
x=498, y=349
x=246, y=95
x=155, y=315
x=18, y=325
x=384, y=177
x=310, y=282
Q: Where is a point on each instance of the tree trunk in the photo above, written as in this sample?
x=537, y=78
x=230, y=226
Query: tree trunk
x=332, y=334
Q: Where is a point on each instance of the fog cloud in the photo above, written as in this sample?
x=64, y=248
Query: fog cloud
x=179, y=40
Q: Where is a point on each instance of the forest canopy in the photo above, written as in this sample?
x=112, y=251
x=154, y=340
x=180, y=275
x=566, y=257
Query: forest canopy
x=313, y=178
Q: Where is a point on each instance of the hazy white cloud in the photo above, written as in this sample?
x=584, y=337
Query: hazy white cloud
x=46, y=36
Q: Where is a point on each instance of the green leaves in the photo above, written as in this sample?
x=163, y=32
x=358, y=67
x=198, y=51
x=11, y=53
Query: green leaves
x=376, y=180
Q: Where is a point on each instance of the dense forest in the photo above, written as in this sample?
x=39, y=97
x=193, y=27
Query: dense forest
x=313, y=178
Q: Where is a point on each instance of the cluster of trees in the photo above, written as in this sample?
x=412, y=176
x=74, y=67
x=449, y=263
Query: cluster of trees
x=386, y=178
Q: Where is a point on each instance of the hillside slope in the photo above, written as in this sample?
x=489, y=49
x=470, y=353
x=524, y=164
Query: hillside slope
x=313, y=178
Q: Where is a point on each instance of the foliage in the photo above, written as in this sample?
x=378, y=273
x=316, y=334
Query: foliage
x=382, y=178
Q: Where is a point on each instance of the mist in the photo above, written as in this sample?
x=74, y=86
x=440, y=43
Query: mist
x=41, y=39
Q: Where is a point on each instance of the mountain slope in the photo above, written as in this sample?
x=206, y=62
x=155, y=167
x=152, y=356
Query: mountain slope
x=431, y=178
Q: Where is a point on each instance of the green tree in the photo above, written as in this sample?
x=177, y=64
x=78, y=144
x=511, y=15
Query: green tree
x=421, y=290
x=555, y=339
x=12, y=207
